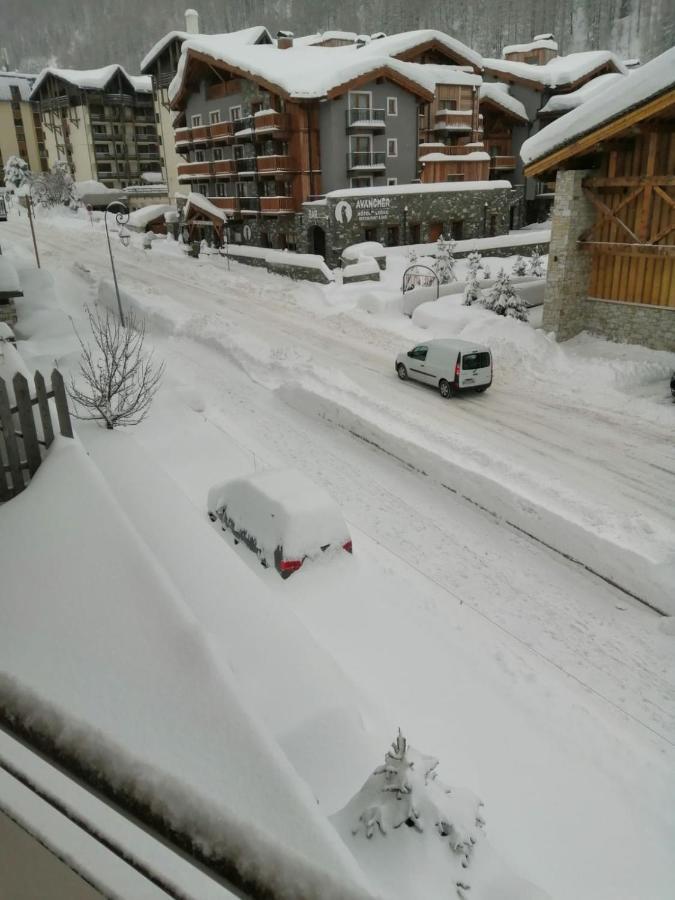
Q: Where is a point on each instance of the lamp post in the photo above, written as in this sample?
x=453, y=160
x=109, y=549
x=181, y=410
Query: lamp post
x=121, y=217
x=224, y=249
x=485, y=209
x=25, y=193
x=405, y=225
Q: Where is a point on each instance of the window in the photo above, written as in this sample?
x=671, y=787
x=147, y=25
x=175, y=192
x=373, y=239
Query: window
x=202, y=189
x=235, y=113
x=392, y=147
x=199, y=156
x=370, y=234
x=493, y=226
x=362, y=181
x=392, y=181
x=196, y=121
x=456, y=229
x=218, y=153
x=419, y=353
x=476, y=361
x=220, y=189
x=214, y=116
x=415, y=233
x=360, y=100
x=392, y=106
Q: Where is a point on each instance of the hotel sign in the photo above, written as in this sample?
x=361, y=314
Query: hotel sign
x=366, y=209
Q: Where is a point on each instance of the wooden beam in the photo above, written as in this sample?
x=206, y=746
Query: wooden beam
x=608, y=213
x=584, y=143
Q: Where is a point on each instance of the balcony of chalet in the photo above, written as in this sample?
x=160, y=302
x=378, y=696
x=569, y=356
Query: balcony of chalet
x=183, y=139
x=275, y=206
x=222, y=131
x=502, y=163
x=266, y=124
x=458, y=121
x=372, y=161
x=367, y=119
x=201, y=134
x=191, y=171
x=230, y=205
x=271, y=165
x=224, y=168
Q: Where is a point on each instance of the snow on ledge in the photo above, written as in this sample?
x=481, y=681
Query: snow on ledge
x=435, y=187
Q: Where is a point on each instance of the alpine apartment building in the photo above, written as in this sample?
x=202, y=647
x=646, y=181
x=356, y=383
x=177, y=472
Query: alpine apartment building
x=21, y=132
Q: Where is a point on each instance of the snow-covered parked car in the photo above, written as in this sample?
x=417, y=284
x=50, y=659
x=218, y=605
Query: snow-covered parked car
x=281, y=516
x=448, y=364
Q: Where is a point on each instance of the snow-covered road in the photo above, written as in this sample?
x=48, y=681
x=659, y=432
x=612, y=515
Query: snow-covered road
x=258, y=364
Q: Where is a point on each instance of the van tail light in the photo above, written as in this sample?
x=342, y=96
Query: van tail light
x=457, y=370
x=290, y=565
x=347, y=546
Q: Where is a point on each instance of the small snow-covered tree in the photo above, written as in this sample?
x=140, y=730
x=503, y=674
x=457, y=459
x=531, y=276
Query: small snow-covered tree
x=16, y=171
x=519, y=266
x=56, y=187
x=536, y=265
x=474, y=265
x=503, y=299
x=118, y=379
x=487, y=272
x=515, y=305
x=472, y=291
x=412, y=256
x=445, y=261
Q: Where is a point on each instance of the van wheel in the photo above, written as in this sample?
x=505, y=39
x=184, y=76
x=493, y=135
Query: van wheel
x=402, y=371
x=444, y=387
x=480, y=390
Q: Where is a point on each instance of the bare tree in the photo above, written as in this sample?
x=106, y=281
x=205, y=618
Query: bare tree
x=118, y=378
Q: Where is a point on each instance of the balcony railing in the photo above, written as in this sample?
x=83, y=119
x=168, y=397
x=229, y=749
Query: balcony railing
x=190, y=170
x=276, y=205
x=183, y=136
x=365, y=118
x=229, y=204
x=224, y=167
x=201, y=134
x=503, y=162
x=366, y=160
x=246, y=165
x=247, y=128
x=222, y=131
x=249, y=204
x=454, y=120
x=268, y=165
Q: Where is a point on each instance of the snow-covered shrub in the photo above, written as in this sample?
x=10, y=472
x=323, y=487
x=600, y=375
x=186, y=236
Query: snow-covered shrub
x=519, y=266
x=118, y=379
x=16, y=171
x=536, y=265
x=487, y=272
x=412, y=256
x=56, y=187
x=445, y=261
x=472, y=291
x=503, y=299
x=475, y=265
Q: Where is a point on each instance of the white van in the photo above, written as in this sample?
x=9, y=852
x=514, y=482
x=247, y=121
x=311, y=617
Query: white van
x=448, y=364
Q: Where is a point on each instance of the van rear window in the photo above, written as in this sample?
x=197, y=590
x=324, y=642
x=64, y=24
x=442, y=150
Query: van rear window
x=475, y=360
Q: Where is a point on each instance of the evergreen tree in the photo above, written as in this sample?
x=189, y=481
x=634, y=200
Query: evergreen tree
x=474, y=265
x=519, y=266
x=16, y=171
x=472, y=291
x=536, y=266
x=515, y=305
x=503, y=299
x=445, y=261
x=412, y=256
x=486, y=271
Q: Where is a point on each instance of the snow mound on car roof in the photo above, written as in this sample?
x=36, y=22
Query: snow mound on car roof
x=281, y=508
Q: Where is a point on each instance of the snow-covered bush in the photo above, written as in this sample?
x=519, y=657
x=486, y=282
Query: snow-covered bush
x=472, y=291
x=16, y=171
x=519, y=266
x=412, y=256
x=118, y=379
x=56, y=187
x=503, y=299
x=487, y=272
x=536, y=265
x=475, y=265
x=445, y=261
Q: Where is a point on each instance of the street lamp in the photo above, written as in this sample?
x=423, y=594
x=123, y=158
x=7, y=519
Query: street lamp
x=121, y=217
x=224, y=249
x=405, y=225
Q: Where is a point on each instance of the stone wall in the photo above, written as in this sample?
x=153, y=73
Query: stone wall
x=542, y=247
x=633, y=323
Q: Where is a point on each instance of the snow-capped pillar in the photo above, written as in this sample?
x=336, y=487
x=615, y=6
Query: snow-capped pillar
x=192, y=21
x=568, y=265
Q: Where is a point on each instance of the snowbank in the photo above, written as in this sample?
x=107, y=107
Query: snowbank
x=365, y=248
x=9, y=279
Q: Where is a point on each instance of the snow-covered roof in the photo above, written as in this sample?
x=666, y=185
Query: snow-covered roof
x=654, y=78
x=86, y=188
x=15, y=79
x=245, y=36
x=562, y=103
x=9, y=279
x=141, y=218
x=394, y=44
x=443, y=74
x=310, y=40
x=474, y=156
x=301, y=72
x=541, y=42
x=439, y=187
x=94, y=79
x=198, y=201
x=498, y=93
x=559, y=71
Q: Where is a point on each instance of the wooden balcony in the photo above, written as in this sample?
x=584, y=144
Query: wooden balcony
x=222, y=131
x=275, y=206
x=268, y=165
x=228, y=204
x=223, y=168
x=192, y=170
x=271, y=123
x=502, y=163
x=458, y=120
x=201, y=134
x=182, y=136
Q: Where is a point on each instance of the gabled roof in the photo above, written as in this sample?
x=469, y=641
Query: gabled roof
x=558, y=72
x=497, y=94
x=301, y=73
x=541, y=42
x=15, y=79
x=443, y=74
x=407, y=42
x=311, y=40
x=559, y=104
x=93, y=79
x=257, y=34
x=643, y=93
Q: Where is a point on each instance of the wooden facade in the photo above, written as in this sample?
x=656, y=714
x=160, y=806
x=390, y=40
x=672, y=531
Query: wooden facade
x=632, y=188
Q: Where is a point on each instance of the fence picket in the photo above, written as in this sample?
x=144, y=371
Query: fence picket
x=61, y=399
x=29, y=432
x=11, y=446
x=43, y=406
x=5, y=493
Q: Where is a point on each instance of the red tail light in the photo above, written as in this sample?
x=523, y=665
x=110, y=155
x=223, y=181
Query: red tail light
x=347, y=546
x=290, y=565
x=457, y=371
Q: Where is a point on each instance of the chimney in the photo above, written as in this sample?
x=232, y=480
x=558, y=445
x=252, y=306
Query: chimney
x=284, y=40
x=192, y=21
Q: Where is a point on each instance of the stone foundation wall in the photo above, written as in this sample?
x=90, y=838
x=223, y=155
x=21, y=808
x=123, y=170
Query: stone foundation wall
x=633, y=323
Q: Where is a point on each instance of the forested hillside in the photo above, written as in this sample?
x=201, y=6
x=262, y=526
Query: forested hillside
x=89, y=33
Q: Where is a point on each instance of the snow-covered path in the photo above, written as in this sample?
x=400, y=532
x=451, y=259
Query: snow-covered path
x=584, y=674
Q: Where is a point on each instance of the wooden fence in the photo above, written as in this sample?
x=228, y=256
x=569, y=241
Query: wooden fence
x=21, y=447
